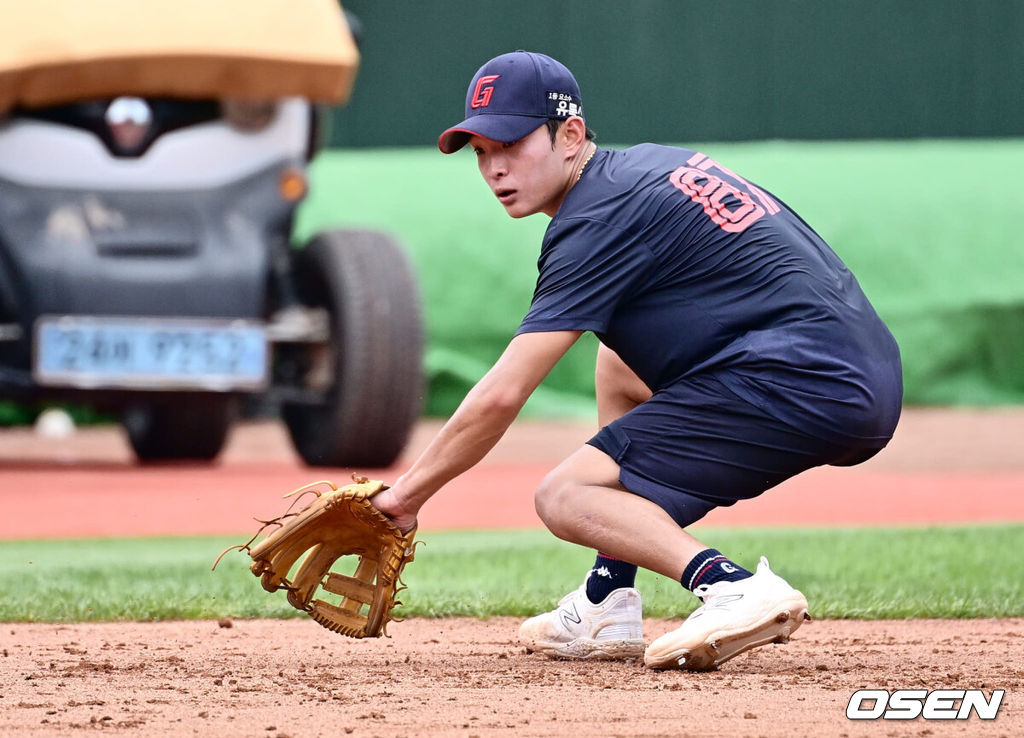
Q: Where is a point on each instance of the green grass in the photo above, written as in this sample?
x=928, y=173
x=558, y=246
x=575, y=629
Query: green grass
x=928, y=227
x=846, y=573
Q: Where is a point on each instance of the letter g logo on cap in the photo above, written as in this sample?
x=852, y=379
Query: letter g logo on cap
x=482, y=94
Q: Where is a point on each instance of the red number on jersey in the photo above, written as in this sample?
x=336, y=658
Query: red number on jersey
x=730, y=207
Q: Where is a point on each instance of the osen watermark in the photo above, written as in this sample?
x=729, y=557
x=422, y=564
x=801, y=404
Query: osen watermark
x=938, y=704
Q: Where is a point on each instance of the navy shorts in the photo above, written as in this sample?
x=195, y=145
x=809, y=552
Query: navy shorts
x=696, y=446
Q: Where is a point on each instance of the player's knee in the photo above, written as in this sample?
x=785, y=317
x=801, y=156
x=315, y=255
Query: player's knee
x=553, y=499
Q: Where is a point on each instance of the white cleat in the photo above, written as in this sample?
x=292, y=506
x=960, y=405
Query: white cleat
x=579, y=629
x=735, y=617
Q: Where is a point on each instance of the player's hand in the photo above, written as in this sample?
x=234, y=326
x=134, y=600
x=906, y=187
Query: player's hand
x=389, y=502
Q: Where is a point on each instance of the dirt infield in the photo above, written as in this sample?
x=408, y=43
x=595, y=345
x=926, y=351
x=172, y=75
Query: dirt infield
x=463, y=677
x=470, y=678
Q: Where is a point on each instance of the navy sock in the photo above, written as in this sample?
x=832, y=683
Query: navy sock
x=608, y=574
x=711, y=566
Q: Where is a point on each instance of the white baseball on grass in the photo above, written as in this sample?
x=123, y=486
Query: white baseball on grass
x=54, y=423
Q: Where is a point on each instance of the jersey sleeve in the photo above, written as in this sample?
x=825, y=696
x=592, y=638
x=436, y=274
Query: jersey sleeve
x=586, y=269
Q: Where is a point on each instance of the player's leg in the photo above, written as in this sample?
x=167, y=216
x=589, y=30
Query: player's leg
x=610, y=627
x=603, y=618
x=618, y=390
x=583, y=502
x=579, y=503
x=689, y=449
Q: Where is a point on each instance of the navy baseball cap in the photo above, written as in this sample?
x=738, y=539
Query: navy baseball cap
x=512, y=95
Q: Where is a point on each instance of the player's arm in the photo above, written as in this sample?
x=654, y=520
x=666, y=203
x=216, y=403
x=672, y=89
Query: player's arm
x=479, y=422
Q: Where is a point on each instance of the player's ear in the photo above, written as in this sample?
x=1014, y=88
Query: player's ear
x=574, y=134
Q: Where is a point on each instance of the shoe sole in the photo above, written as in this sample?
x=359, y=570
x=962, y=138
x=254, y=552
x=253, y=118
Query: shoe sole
x=724, y=645
x=583, y=649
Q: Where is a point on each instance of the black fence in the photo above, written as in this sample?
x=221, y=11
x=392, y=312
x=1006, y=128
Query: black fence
x=683, y=70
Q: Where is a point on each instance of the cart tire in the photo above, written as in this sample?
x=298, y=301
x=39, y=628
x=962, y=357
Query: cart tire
x=364, y=416
x=181, y=428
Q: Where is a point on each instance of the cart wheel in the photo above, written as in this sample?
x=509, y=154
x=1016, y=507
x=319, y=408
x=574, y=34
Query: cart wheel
x=364, y=387
x=186, y=428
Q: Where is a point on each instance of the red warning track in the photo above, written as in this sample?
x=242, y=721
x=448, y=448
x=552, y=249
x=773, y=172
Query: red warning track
x=942, y=468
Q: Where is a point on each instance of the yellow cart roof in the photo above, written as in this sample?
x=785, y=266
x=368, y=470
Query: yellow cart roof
x=58, y=51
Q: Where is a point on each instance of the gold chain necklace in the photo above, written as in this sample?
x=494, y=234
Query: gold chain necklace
x=580, y=173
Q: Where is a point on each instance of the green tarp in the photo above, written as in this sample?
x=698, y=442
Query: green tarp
x=934, y=231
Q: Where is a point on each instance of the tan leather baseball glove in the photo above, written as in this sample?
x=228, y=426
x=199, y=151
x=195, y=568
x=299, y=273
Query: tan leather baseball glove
x=336, y=523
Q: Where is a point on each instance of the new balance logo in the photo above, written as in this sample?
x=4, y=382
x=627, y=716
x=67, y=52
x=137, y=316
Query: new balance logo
x=721, y=602
x=724, y=601
x=570, y=616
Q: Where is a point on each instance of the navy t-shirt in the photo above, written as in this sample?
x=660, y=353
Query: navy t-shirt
x=682, y=266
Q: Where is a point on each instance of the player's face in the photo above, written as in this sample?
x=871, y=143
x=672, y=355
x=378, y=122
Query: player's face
x=528, y=176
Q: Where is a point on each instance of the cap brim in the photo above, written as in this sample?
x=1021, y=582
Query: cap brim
x=503, y=128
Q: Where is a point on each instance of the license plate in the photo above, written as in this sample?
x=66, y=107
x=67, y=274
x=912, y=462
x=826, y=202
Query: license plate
x=150, y=353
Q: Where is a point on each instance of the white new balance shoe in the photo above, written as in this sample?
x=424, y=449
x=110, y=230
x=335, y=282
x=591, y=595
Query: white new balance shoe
x=735, y=617
x=579, y=629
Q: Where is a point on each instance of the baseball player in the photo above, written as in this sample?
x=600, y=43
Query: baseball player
x=736, y=350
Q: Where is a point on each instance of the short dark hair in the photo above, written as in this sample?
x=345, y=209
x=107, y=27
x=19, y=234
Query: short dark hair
x=554, y=124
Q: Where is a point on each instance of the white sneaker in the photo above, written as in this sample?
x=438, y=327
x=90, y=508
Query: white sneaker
x=735, y=617
x=579, y=629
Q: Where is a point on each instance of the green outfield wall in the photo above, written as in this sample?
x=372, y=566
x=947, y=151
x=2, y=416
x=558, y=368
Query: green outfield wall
x=934, y=231
x=670, y=70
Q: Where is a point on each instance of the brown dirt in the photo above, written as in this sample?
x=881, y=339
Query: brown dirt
x=464, y=677
x=470, y=678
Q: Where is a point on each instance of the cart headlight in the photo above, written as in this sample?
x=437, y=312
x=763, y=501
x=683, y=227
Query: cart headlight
x=248, y=115
x=129, y=120
x=291, y=185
